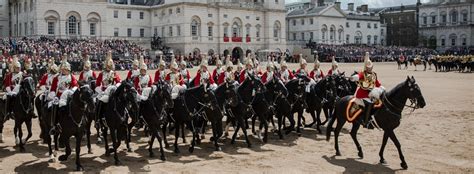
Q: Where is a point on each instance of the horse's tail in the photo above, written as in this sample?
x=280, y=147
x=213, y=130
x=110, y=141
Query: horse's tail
x=329, y=127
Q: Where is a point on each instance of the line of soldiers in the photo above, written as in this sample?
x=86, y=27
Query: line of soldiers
x=453, y=58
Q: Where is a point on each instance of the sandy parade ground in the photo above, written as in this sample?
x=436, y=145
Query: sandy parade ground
x=437, y=138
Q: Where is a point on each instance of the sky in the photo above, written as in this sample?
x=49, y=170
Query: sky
x=373, y=3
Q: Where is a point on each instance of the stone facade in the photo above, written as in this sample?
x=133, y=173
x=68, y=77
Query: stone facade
x=445, y=24
x=401, y=23
x=187, y=26
x=4, y=20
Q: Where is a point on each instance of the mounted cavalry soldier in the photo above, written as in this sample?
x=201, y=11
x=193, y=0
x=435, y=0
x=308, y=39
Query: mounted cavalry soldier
x=143, y=82
x=161, y=71
x=240, y=67
x=87, y=73
x=11, y=84
x=249, y=70
x=268, y=75
x=369, y=89
x=175, y=79
x=134, y=71
x=219, y=69
x=317, y=74
x=183, y=71
x=108, y=79
x=334, y=66
x=203, y=76
x=228, y=75
x=63, y=86
x=47, y=79
x=285, y=74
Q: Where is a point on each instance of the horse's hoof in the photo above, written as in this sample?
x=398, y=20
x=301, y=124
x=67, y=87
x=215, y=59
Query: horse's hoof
x=404, y=165
x=203, y=136
x=176, y=150
x=99, y=141
x=249, y=145
x=232, y=142
x=265, y=140
x=319, y=131
x=118, y=163
x=62, y=158
x=198, y=141
x=79, y=168
x=129, y=150
x=338, y=153
x=191, y=149
x=22, y=149
x=89, y=151
x=107, y=154
x=218, y=149
x=152, y=155
x=361, y=155
x=299, y=134
x=167, y=145
x=211, y=139
x=163, y=158
x=52, y=159
x=382, y=161
x=111, y=150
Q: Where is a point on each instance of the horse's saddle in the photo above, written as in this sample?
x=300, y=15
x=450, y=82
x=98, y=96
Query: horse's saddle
x=354, y=111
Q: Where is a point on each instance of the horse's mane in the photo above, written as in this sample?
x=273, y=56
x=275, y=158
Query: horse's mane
x=396, y=89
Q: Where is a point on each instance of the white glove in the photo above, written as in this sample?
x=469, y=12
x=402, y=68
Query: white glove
x=118, y=84
x=354, y=78
x=51, y=96
x=9, y=89
x=98, y=89
x=43, y=88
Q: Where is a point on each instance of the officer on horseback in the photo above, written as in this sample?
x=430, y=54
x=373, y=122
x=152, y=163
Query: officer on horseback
x=203, y=76
x=369, y=89
x=134, y=71
x=47, y=79
x=285, y=74
x=108, y=80
x=175, y=79
x=143, y=82
x=316, y=74
x=334, y=66
x=268, y=75
x=219, y=69
x=161, y=71
x=11, y=84
x=240, y=67
x=87, y=73
x=183, y=71
x=228, y=75
x=249, y=70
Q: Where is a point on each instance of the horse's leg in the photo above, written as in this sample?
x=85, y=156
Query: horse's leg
x=292, y=123
x=88, y=136
x=56, y=143
x=235, y=133
x=97, y=126
x=47, y=139
x=254, y=118
x=382, y=148
x=193, y=141
x=20, y=136
x=68, y=148
x=399, y=148
x=150, y=145
x=115, y=144
x=355, y=128
x=128, y=139
x=298, y=128
x=28, y=128
x=216, y=136
x=164, y=135
x=279, y=117
x=176, y=136
x=319, y=122
x=106, y=143
x=313, y=115
x=182, y=132
x=265, y=134
x=78, y=152
x=162, y=151
x=337, y=130
x=15, y=132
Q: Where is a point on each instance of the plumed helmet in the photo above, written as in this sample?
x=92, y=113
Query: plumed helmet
x=228, y=62
x=283, y=63
x=183, y=62
x=239, y=64
x=316, y=61
x=204, y=61
x=334, y=62
x=367, y=62
x=87, y=62
x=135, y=61
x=248, y=61
x=54, y=68
x=15, y=63
x=218, y=61
x=64, y=64
x=302, y=60
x=142, y=64
x=109, y=62
x=173, y=64
x=162, y=61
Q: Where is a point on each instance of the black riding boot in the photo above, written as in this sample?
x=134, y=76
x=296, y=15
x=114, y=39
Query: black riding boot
x=9, y=107
x=368, y=111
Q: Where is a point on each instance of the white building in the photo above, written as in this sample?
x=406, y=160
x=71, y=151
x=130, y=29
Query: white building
x=447, y=23
x=329, y=24
x=4, y=21
x=216, y=26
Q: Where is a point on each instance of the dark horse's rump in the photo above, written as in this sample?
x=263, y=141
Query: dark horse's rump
x=23, y=110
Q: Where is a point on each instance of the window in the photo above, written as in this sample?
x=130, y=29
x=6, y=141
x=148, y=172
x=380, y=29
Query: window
x=347, y=38
x=170, y=11
x=443, y=17
x=258, y=18
x=442, y=42
x=276, y=29
x=302, y=21
x=257, y=34
x=311, y=21
x=294, y=22
x=209, y=15
x=155, y=13
x=31, y=28
x=178, y=10
x=129, y=15
x=142, y=15
x=358, y=25
x=453, y=42
x=347, y=25
x=225, y=15
x=302, y=36
x=115, y=14
x=247, y=17
x=311, y=35
x=25, y=8
x=368, y=25
x=375, y=39
x=454, y=16
x=294, y=36
x=31, y=5
x=226, y=31
x=162, y=31
x=369, y=39
x=247, y=30
x=155, y=31
x=170, y=31
x=433, y=19
x=142, y=32
x=381, y=32
x=464, y=40
x=26, y=28
x=464, y=16
x=129, y=32
x=92, y=27
x=72, y=25
x=425, y=20
x=51, y=28
x=276, y=1
x=209, y=31
x=116, y=32
x=178, y=30
x=195, y=28
x=376, y=26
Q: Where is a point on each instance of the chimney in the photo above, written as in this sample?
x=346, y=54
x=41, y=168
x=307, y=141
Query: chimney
x=350, y=6
x=364, y=8
x=338, y=5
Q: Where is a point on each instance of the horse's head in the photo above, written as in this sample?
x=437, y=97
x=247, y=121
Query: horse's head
x=86, y=95
x=128, y=94
x=413, y=92
x=27, y=84
x=226, y=93
x=163, y=93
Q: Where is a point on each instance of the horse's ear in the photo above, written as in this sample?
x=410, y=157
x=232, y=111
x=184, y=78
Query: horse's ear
x=408, y=78
x=413, y=79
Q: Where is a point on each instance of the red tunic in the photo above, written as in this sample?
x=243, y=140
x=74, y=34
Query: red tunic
x=129, y=75
x=81, y=76
x=157, y=76
x=330, y=72
x=215, y=74
x=221, y=78
x=290, y=75
x=54, y=85
x=98, y=81
x=197, y=79
x=180, y=81
x=362, y=93
x=312, y=74
x=264, y=77
x=43, y=80
x=136, y=83
x=7, y=81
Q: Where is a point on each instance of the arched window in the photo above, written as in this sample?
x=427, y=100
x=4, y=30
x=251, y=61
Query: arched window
x=236, y=30
x=276, y=29
x=453, y=39
x=358, y=37
x=454, y=16
x=332, y=33
x=72, y=25
x=369, y=39
x=340, y=33
x=324, y=30
x=195, y=27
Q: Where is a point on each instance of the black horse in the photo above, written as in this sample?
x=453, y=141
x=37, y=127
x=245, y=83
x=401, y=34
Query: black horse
x=154, y=114
x=23, y=110
x=116, y=117
x=387, y=117
x=73, y=121
x=296, y=97
x=280, y=106
x=320, y=93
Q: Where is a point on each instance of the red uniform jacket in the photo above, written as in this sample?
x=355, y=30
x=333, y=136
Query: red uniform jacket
x=157, y=76
x=214, y=73
x=312, y=74
x=330, y=72
x=197, y=79
x=362, y=93
x=54, y=85
x=43, y=80
x=242, y=76
x=7, y=81
x=180, y=81
x=264, y=77
x=98, y=81
x=290, y=75
x=136, y=83
x=129, y=75
x=187, y=76
x=81, y=76
x=221, y=78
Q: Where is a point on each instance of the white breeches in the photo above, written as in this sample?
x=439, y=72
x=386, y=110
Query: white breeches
x=213, y=87
x=145, y=94
x=176, y=90
x=65, y=95
x=308, y=86
x=13, y=91
x=104, y=95
x=376, y=92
